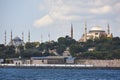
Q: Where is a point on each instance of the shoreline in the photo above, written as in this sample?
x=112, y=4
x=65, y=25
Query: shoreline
x=56, y=66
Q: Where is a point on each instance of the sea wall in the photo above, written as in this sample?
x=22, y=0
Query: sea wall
x=100, y=63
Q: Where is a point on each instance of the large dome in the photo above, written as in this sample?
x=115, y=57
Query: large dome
x=96, y=28
x=17, y=39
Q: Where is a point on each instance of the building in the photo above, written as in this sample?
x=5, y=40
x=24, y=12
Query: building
x=50, y=60
x=67, y=52
x=16, y=42
x=70, y=60
x=18, y=61
x=95, y=32
x=38, y=60
x=21, y=61
x=1, y=61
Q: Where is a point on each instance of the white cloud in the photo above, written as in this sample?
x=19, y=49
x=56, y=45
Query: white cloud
x=46, y=20
x=57, y=10
x=116, y=8
x=69, y=10
x=101, y=10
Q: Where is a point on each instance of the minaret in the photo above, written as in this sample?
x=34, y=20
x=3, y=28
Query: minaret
x=71, y=31
x=108, y=32
x=22, y=36
x=85, y=32
x=49, y=37
x=5, y=38
x=29, y=36
x=41, y=38
x=11, y=35
x=108, y=29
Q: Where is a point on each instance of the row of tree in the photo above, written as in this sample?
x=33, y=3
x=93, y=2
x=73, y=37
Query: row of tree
x=103, y=48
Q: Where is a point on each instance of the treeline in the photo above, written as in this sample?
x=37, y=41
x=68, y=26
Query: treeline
x=103, y=48
x=35, y=49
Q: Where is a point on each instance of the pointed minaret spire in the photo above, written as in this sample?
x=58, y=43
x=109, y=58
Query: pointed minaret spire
x=11, y=35
x=22, y=36
x=49, y=37
x=28, y=36
x=108, y=29
x=85, y=33
x=5, y=38
x=41, y=38
x=72, y=31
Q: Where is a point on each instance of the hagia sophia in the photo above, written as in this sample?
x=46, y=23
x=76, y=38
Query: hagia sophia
x=95, y=32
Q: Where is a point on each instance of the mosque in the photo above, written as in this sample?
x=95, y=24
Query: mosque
x=95, y=32
x=17, y=41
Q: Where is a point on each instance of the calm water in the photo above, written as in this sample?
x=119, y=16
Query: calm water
x=58, y=74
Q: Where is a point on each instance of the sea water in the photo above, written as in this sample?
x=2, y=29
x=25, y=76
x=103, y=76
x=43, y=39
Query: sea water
x=58, y=74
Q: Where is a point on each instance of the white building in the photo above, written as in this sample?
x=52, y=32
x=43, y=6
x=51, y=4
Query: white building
x=95, y=32
x=16, y=42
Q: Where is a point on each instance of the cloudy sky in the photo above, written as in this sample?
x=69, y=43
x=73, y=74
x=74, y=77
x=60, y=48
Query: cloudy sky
x=54, y=17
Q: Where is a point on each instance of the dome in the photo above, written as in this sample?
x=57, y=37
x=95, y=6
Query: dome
x=17, y=39
x=96, y=28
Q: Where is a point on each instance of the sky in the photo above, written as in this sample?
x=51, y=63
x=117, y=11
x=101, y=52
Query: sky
x=54, y=17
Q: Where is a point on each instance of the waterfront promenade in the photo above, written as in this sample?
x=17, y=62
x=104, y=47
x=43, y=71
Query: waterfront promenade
x=79, y=64
x=100, y=63
x=46, y=65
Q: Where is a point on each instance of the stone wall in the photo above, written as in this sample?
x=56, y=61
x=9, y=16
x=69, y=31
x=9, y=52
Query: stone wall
x=100, y=63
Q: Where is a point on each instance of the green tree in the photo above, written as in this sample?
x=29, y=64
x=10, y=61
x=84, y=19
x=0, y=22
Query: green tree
x=61, y=40
x=61, y=48
x=75, y=49
x=31, y=45
x=67, y=41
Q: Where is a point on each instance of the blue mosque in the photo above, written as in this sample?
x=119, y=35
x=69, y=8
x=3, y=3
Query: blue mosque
x=17, y=41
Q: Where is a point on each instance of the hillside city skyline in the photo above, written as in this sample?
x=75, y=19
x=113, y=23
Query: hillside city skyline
x=71, y=34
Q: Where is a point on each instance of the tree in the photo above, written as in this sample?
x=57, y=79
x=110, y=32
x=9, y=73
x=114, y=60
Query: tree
x=61, y=40
x=75, y=49
x=31, y=45
x=61, y=48
x=31, y=53
x=67, y=41
x=116, y=54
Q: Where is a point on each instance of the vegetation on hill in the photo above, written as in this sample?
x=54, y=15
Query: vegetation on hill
x=104, y=48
